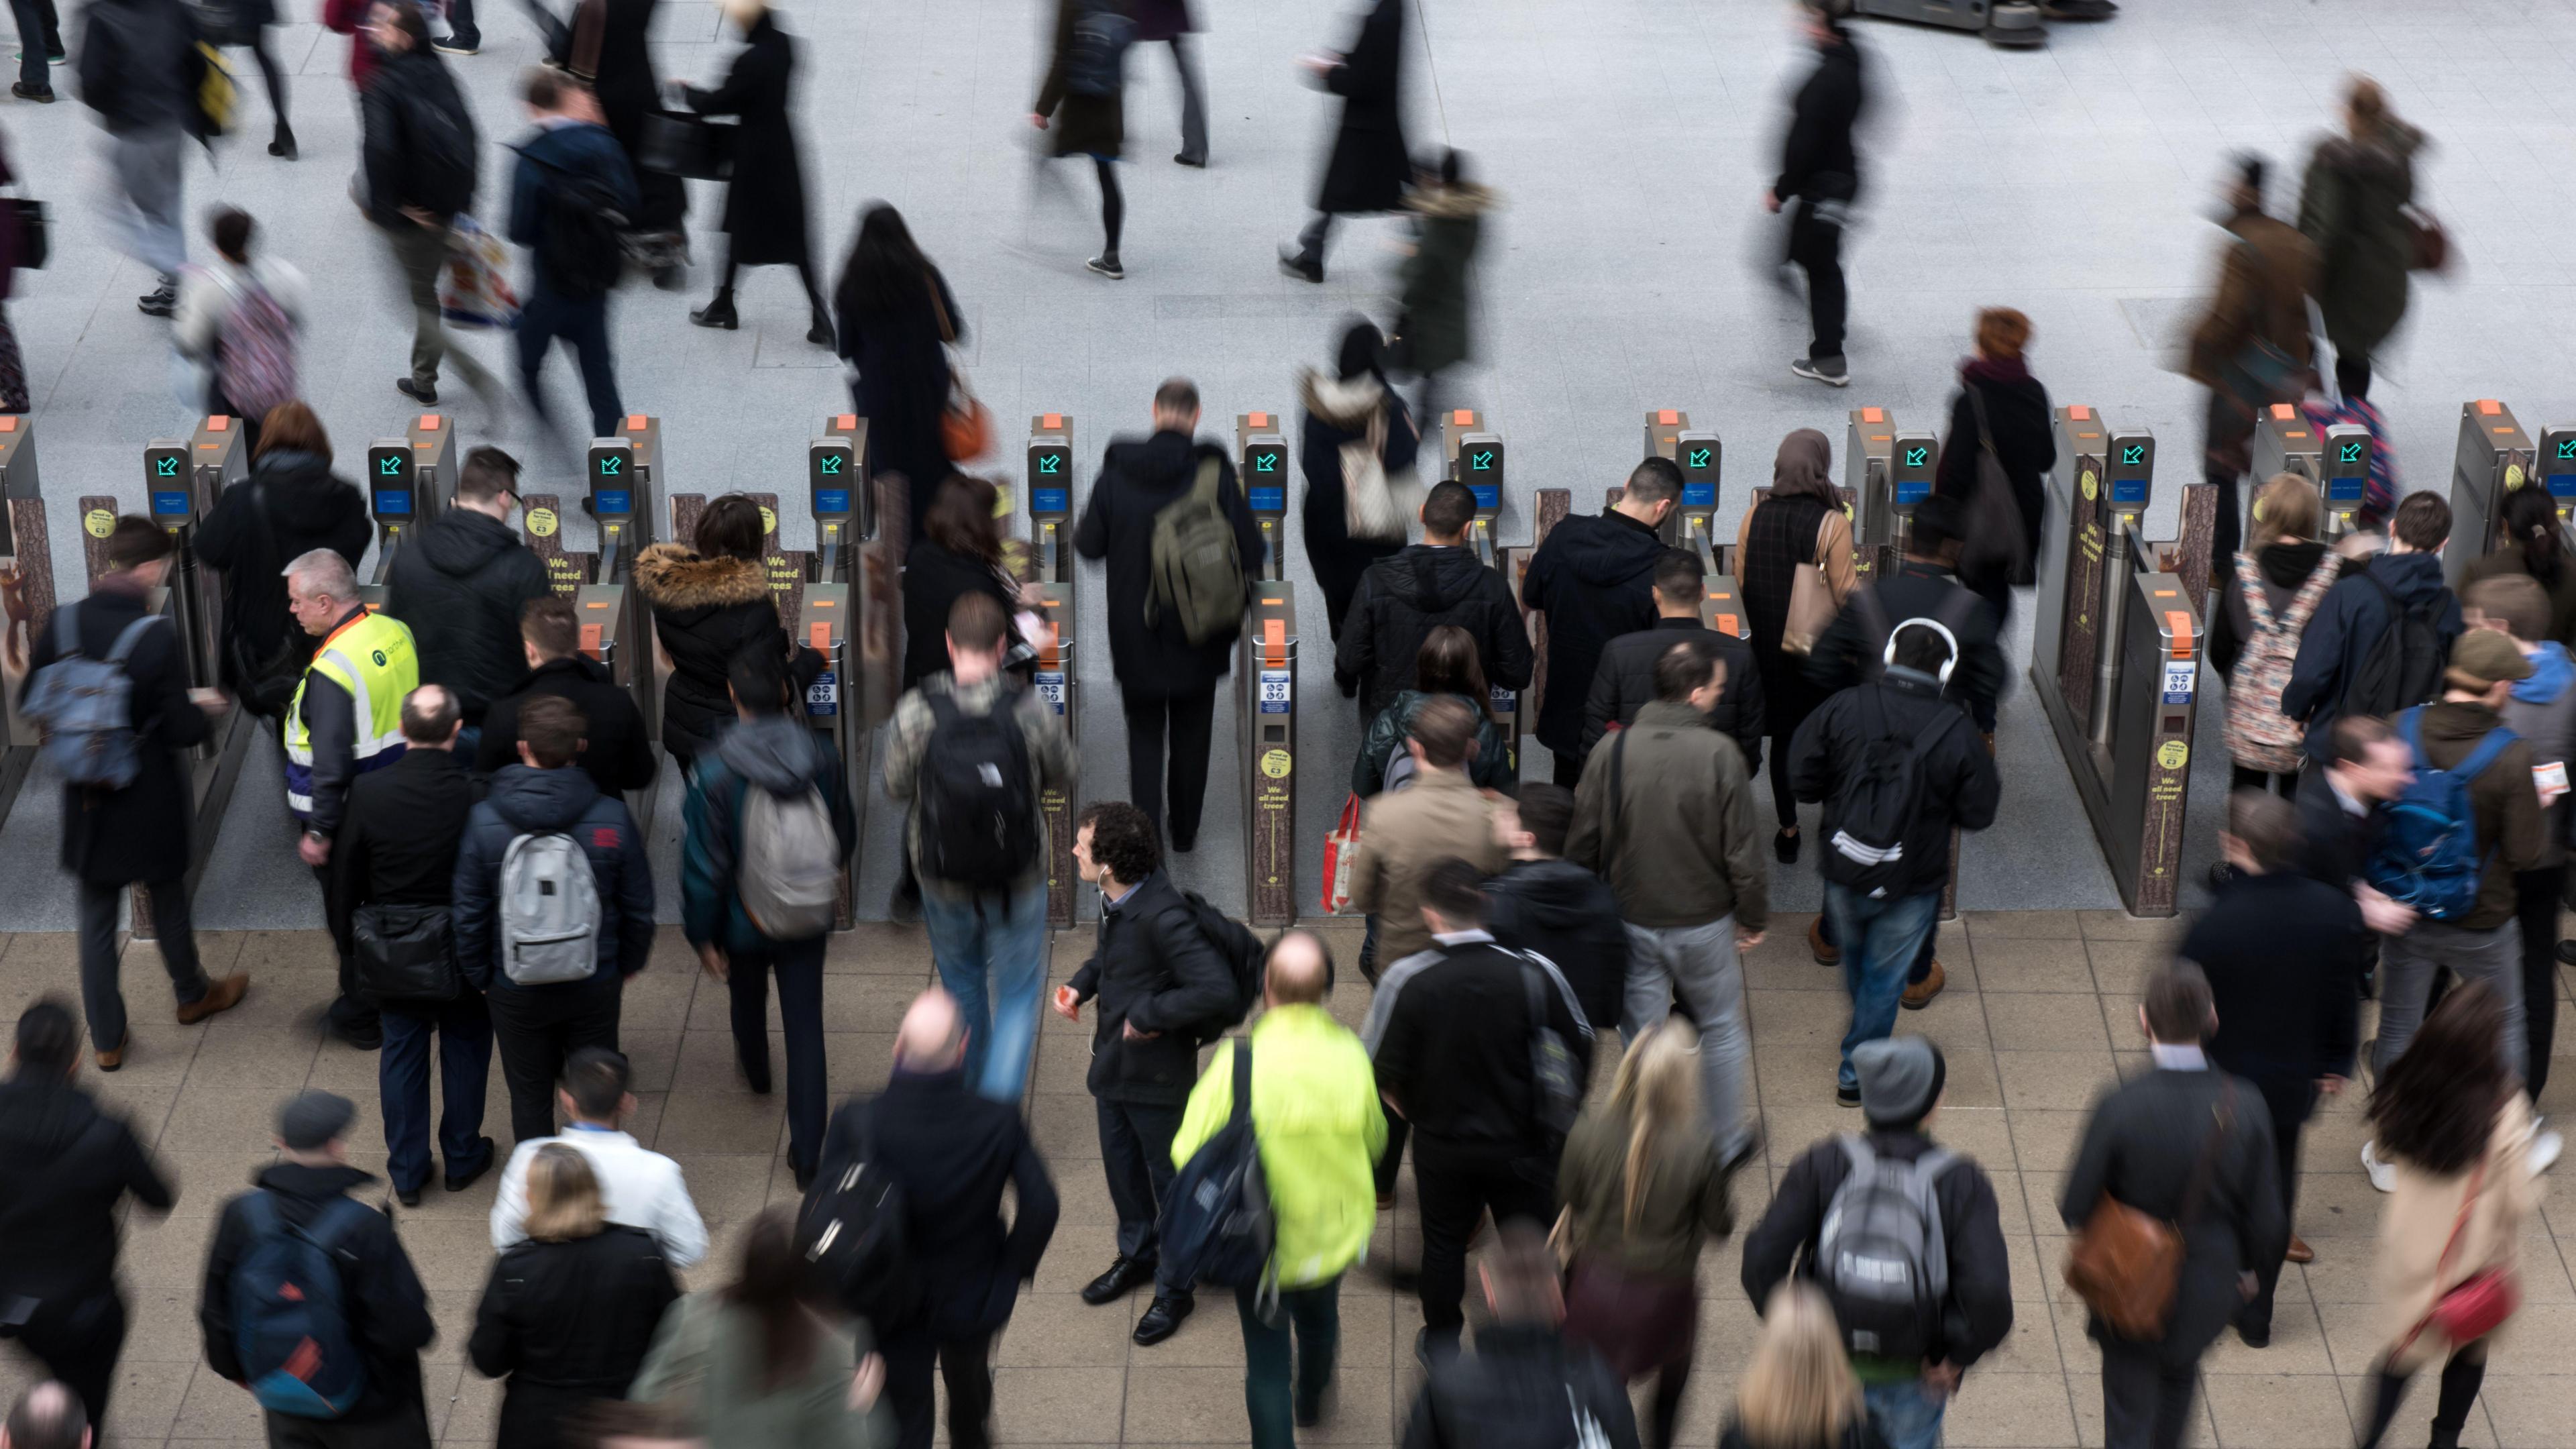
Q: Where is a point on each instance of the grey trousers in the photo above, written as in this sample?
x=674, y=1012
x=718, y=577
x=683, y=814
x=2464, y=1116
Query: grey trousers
x=420, y=251
x=146, y=209
x=2406, y=969
x=1194, y=123
x=1701, y=963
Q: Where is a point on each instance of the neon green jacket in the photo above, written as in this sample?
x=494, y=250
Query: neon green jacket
x=1315, y=1109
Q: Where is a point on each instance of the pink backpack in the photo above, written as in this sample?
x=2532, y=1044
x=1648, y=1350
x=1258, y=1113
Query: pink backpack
x=255, y=353
x=2259, y=736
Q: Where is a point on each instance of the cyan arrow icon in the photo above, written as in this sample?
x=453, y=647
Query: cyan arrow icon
x=165, y=467
x=1481, y=462
x=2133, y=454
x=1917, y=457
x=831, y=463
x=1699, y=457
x=2567, y=449
x=2352, y=453
x=1050, y=463
x=1266, y=463
x=389, y=467
x=611, y=466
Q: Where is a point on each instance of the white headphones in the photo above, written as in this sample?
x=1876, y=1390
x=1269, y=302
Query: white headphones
x=1937, y=627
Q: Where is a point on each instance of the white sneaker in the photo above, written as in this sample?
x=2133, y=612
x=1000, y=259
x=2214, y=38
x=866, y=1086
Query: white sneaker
x=2383, y=1176
x=2541, y=1149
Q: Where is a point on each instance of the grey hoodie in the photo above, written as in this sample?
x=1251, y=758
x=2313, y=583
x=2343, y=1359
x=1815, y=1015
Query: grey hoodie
x=775, y=753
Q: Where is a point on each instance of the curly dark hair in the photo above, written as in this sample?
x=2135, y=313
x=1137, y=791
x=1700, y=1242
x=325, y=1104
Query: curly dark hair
x=2436, y=1105
x=1122, y=839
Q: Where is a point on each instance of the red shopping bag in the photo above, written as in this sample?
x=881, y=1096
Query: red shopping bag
x=1341, y=854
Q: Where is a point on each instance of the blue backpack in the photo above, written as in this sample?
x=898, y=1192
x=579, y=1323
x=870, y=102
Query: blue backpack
x=290, y=1322
x=2428, y=857
x=85, y=707
x=1216, y=1224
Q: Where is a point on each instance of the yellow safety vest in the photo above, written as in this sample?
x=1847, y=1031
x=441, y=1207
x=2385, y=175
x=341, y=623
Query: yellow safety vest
x=372, y=657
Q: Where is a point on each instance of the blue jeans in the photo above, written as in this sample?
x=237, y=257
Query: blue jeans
x=1001, y=942
x=1316, y=1315
x=464, y=1030
x=583, y=325
x=1916, y=974
x=1904, y=1415
x=1879, y=937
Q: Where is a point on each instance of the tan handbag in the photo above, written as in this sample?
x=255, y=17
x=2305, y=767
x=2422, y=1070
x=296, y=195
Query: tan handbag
x=2126, y=1264
x=1812, y=605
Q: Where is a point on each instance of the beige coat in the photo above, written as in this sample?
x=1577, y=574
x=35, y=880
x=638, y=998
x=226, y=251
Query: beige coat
x=1401, y=837
x=2417, y=1224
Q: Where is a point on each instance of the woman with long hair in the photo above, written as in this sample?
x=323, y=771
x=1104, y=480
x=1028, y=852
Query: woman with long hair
x=2451, y=1118
x=960, y=553
x=1643, y=1190
x=2534, y=545
x=1802, y=522
x=895, y=311
x=568, y=1314
x=1799, y=1392
x=759, y=1367
x=1341, y=409
x=1446, y=664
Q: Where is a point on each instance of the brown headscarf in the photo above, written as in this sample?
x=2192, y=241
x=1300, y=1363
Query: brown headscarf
x=1805, y=465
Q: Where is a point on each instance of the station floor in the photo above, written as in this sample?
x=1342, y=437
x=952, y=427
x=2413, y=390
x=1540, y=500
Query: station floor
x=2039, y=1018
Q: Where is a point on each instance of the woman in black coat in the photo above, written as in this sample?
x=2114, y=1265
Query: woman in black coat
x=1370, y=165
x=568, y=1315
x=765, y=218
x=708, y=606
x=2025, y=439
x=1338, y=410
x=895, y=313
x=291, y=504
x=961, y=555
x=1086, y=125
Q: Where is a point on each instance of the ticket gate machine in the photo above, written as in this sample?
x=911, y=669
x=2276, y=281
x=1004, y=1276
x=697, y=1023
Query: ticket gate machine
x=410, y=481
x=1266, y=672
x=26, y=596
x=622, y=474
x=1700, y=455
x=1477, y=458
x=2117, y=657
x=2335, y=458
x=2495, y=457
x=1261, y=464
x=1888, y=470
x=826, y=623
x=1050, y=493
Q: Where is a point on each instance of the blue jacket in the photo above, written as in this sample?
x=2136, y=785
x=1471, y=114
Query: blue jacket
x=776, y=754
x=523, y=801
x=2347, y=627
x=578, y=147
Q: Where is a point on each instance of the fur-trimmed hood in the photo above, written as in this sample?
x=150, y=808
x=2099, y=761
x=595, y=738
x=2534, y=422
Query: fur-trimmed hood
x=1456, y=201
x=673, y=577
x=1346, y=403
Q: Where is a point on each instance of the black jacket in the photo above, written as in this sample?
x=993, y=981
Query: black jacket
x=933, y=581
x=1454, y=1059
x=64, y=1168
x=398, y=843
x=1153, y=967
x=525, y=800
x=568, y=1323
x=404, y=93
x=705, y=611
x=765, y=213
x=901, y=387
x=1402, y=599
x=2347, y=627
x=1851, y=651
x=1370, y=167
x=2025, y=437
x=1138, y=477
x=953, y=1152
x=1959, y=784
x=139, y=833
x=1624, y=683
x=1559, y=910
x=2283, y=954
x=615, y=753
x=458, y=586
x=1524, y=1387
x=291, y=504
x=1594, y=578
x=135, y=64
x=388, y=1311
x=2335, y=845
x=1978, y=1312
x=1817, y=159
x=2140, y=1146
x=1338, y=412
x=2281, y=567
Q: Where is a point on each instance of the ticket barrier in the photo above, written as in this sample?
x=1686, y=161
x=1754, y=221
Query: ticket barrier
x=2119, y=637
x=410, y=481
x=1261, y=463
x=1700, y=455
x=616, y=625
x=825, y=620
x=1477, y=458
x=2494, y=458
x=2335, y=458
x=2005, y=24
x=1548, y=508
x=26, y=596
x=2556, y=463
x=1050, y=494
x=1887, y=470
x=1268, y=728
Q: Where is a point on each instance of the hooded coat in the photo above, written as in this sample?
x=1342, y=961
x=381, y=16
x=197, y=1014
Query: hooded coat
x=527, y=801
x=771, y=753
x=1434, y=329
x=291, y=504
x=1338, y=412
x=2347, y=626
x=766, y=219
x=64, y=1168
x=2352, y=208
x=1594, y=578
x=705, y=611
x=615, y=751
x=1139, y=477
x=1370, y=164
x=459, y=586
x=1403, y=598
x=2542, y=710
x=1559, y=910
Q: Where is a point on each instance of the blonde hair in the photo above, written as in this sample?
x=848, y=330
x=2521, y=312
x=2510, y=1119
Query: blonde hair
x=1656, y=1093
x=2286, y=508
x=563, y=1196
x=1799, y=1388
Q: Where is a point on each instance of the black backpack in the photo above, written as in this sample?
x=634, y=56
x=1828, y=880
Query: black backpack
x=1242, y=953
x=443, y=162
x=979, y=818
x=1217, y=1224
x=2404, y=666
x=1095, y=62
x=580, y=232
x=854, y=1236
x=1879, y=796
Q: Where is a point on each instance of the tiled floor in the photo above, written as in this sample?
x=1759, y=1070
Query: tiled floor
x=2037, y=1020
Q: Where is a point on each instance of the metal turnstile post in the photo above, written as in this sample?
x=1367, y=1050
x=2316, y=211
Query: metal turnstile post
x=1269, y=742
x=2494, y=458
x=1050, y=493
x=1869, y=461
x=410, y=481
x=26, y=596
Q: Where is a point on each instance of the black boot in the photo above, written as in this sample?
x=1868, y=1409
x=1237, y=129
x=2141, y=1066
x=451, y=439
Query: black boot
x=821, y=333
x=718, y=313
x=282, y=145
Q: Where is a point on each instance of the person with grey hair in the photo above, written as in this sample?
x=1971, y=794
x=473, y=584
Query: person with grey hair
x=393, y=878
x=344, y=721
x=48, y=1416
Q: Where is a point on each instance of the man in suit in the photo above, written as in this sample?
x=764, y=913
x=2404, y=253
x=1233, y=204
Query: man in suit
x=2188, y=1144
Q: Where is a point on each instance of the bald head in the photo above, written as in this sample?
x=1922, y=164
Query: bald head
x=932, y=1037
x=48, y=1416
x=1298, y=971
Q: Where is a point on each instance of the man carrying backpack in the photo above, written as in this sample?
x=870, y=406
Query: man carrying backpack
x=420, y=161
x=1425, y=585
x=768, y=832
x=1929, y=1315
x=1162, y=986
x=1180, y=543
x=571, y=195
x=1898, y=767
x=554, y=910
x=2455, y=840
x=978, y=838
x=126, y=815
x=310, y=1302
x=2377, y=643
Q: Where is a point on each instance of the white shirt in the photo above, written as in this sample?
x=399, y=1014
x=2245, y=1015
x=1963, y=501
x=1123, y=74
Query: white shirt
x=639, y=1187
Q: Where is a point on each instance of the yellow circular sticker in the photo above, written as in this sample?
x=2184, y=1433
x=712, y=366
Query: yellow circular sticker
x=2512, y=476
x=768, y=521
x=2092, y=490
x=99, y=521
x=1274, y=763
x=541, y=522
x=2172, y=753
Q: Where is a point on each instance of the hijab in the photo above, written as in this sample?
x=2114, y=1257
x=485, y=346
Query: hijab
x=1804, y=466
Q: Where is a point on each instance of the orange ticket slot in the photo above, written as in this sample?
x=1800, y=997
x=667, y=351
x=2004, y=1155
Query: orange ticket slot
x=1051, y=421
x=1726, y=624
x=8, y=424
x=637, y=420
x=218, y=423
x=1463, y=417
x=2080, y=413
x=2489, y=407
x=1050, y=651
x=2179, y=621
x=1668, y=417
x=430, y=422
x=590, y=640
x=2283, y=411
x=819, y=634
x=845, y=420
x=1259, y=420
x=1274, y=643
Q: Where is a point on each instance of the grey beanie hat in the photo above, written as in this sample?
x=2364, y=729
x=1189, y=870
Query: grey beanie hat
x=310, y=1119
x=1900, y=1079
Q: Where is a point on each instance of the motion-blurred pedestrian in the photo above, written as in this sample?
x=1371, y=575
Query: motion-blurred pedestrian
x=896, y=312
x=138, y=68
x=252, y=20
x=638, y=1187
x=959, y=553
x=572, y=178
x=2355, y=208
x=1546, y=905
x=1799, y=525
x=2000, y=407
x=421, y=162
x=1169, y=22
x=1820, y=172
x=242, y=319
x=40, y=48
x=2251, y=348
x=48, y=1416
x=1370, y=164
x=1434, y=331
x=1354, y=405
x=1799, y=1392
x=613, y=39
x=1525, y=1386
x=766, y=219
x=14, y=397
x=1084, y=98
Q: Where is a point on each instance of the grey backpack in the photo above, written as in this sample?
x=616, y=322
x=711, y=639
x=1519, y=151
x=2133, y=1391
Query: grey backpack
x=788, y=875
x=1882, y=1257
x=549, y=911
x=85, y=707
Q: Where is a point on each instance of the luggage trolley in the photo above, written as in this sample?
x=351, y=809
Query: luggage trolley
x=26, y=596
x=1267, y=731
x=2494, y=458
x=1050, y=492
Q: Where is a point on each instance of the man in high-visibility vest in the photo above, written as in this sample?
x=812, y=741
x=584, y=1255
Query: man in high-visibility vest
x=345, y=719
